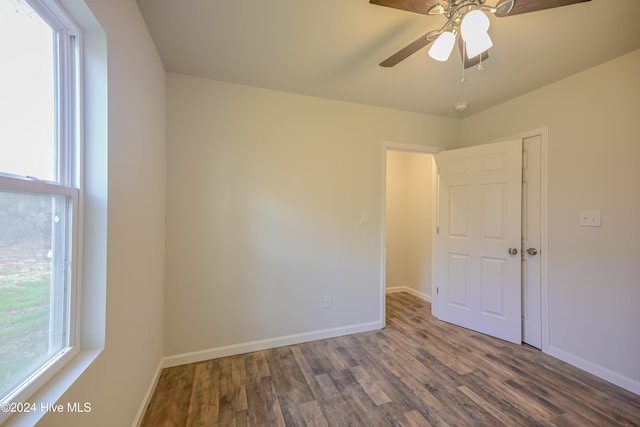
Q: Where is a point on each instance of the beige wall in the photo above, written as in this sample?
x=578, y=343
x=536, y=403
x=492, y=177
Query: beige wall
x=265, y=195
x=396, y=272
x=594, y=273
x=115, y=385
x=410, y=202
x=275, y=171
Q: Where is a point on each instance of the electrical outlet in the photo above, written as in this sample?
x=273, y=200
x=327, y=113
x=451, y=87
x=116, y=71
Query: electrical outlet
x=590, y=219
x=152, y=342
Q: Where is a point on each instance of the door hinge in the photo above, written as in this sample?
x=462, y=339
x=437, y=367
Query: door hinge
x=437, y=290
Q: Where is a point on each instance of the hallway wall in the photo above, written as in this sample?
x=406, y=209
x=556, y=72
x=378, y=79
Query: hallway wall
x=409, y=221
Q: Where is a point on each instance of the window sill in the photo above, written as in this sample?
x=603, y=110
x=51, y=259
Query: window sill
x=46, y=398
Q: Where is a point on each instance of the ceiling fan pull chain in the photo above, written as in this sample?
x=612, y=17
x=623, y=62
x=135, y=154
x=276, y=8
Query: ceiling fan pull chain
x=463, y=55
x=480, y=67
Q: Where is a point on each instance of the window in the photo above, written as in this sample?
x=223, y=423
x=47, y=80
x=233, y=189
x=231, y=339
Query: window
x=39, y=194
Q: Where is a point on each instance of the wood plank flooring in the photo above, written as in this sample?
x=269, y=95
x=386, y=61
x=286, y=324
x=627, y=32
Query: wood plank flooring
x=416, y=372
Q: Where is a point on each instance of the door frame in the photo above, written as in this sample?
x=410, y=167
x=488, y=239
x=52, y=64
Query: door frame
x=543, y=132
x=410, y=148
x=543, y=252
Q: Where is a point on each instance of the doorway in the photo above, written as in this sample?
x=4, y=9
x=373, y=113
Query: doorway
x=410, y=199
x=530, y=305
x=419, y=282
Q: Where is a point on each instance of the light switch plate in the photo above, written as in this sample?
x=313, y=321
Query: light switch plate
x=590, y=219
x=327, y=301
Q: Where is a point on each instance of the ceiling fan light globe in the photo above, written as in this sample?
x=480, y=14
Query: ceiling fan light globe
x=478, y=44
x=474, y=23
x=442, y=47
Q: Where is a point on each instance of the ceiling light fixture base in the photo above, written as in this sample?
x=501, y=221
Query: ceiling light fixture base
x=461, y=106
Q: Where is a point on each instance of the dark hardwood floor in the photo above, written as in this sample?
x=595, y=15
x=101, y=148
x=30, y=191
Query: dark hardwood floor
x=416, y=372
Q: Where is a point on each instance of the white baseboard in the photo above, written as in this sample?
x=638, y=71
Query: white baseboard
x=421, y=295
x=232, y=350
x=597, y=370
x=147, y=397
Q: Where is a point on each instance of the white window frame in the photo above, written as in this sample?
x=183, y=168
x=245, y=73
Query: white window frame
x=68, y=179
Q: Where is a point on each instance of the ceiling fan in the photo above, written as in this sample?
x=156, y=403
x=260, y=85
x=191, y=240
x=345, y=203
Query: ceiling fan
x=466, y=25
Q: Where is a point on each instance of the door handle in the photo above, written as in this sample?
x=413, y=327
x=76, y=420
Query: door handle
x=513, y=251
x=532, y=251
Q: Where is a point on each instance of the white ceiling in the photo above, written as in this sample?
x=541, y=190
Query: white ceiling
x=331, y=49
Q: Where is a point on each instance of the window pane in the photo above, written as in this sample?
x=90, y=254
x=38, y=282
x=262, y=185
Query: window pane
x=27, y=100
x=33, y=283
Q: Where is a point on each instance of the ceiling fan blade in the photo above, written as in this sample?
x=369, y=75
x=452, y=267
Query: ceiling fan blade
x=470, y=62
x=417, y=6
x=526, y=6
x=503, y=7
x=410, y=49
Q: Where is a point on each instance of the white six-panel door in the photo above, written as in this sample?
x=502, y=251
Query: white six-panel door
x=479, y=217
